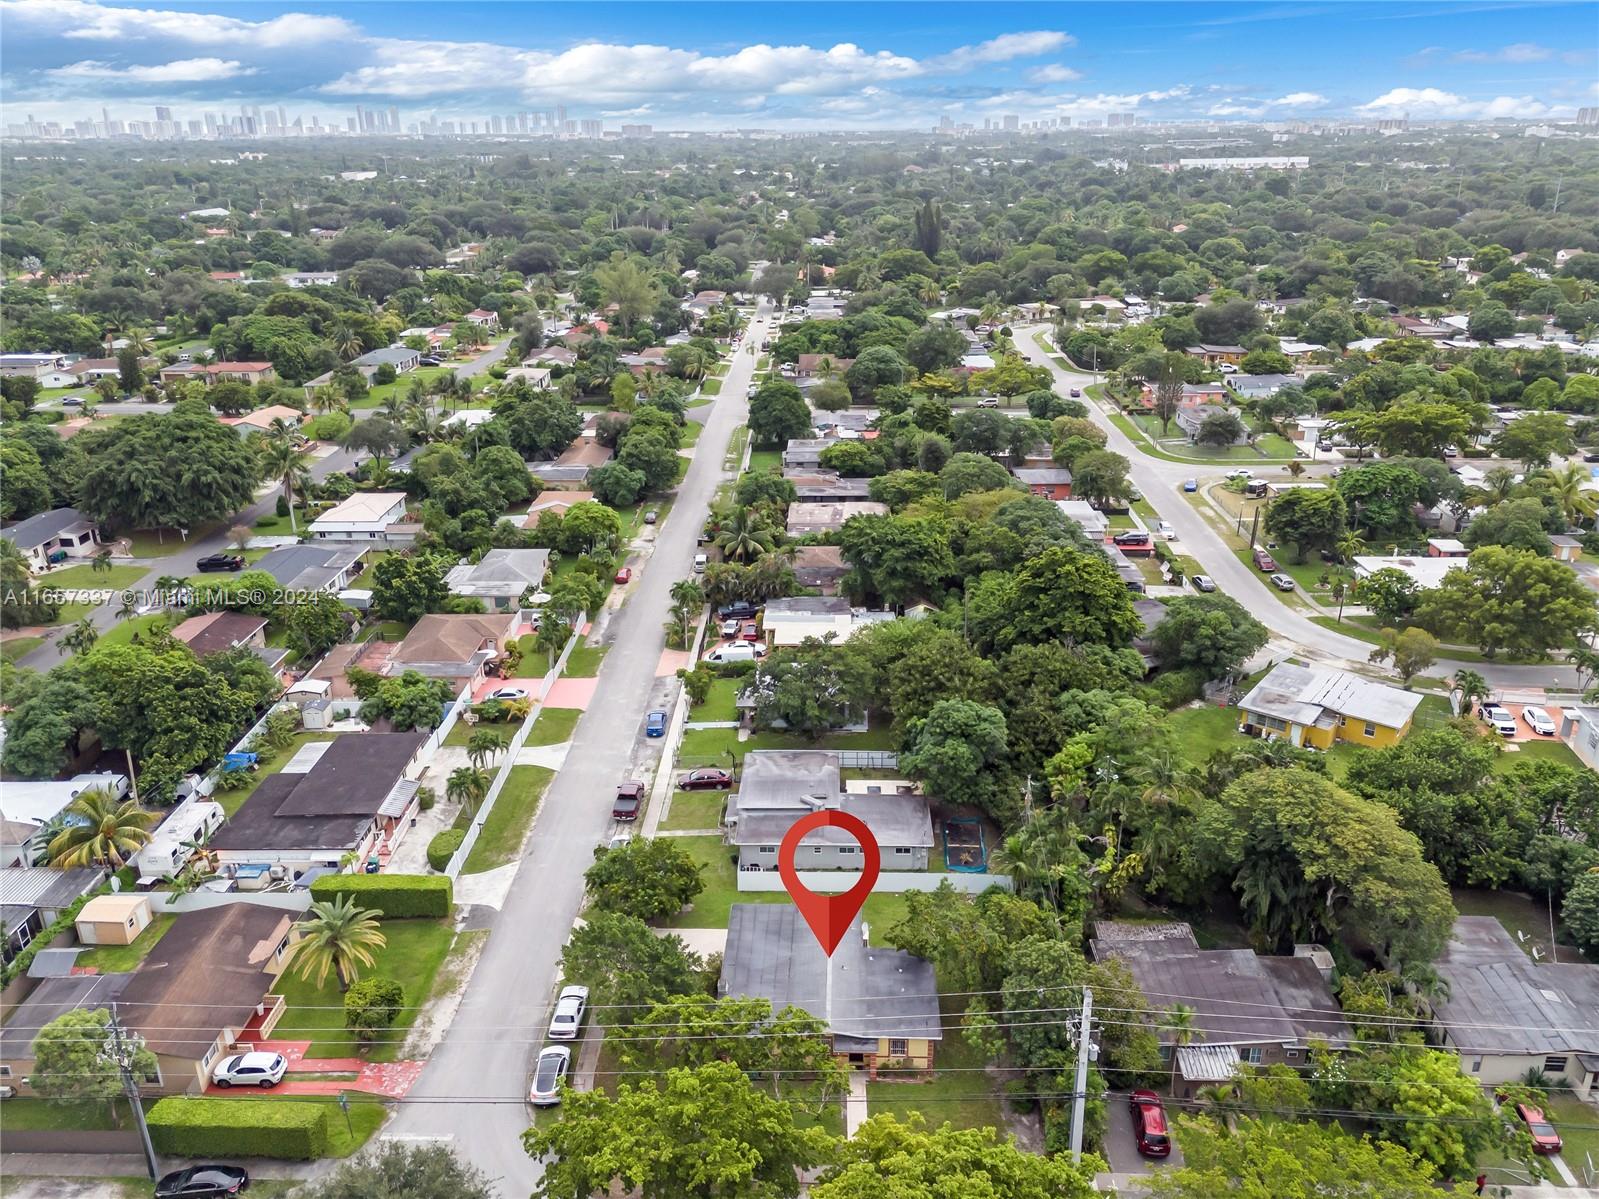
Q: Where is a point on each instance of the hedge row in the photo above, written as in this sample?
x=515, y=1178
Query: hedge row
x=392, y=895
x=222, y=1128
x=443, y=846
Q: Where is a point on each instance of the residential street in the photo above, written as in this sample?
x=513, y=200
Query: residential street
x=181, y=561
x=477, y=1078
x=1161, y=482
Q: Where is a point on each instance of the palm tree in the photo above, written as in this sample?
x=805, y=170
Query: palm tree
x=482, y=745
x=105, y=831
x=1180, y=1024
x=743, y=537
x=467, y=785
x=282, y=463
x=345, y=339
x=327, y=399
x=1497, y=484
x=1567, y=485
x=1472, y=686
x=1220, y=1098
x=1585, y=660
x=79, y=639
x=101, y=563
x=336, y=936
x=688, y=597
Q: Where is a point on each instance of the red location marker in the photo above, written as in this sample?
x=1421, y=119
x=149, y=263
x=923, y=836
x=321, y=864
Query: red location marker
x=829, y=915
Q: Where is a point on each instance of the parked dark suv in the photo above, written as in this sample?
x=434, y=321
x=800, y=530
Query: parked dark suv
x=741, y=610
x=215, y=562
x=1136, y=537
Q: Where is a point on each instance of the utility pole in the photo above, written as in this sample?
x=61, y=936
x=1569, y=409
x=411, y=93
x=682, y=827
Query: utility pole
x=122, y=1049
x=1085, y=1052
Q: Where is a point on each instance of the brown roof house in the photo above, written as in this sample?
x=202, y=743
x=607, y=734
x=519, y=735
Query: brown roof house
x=214, y=632
x=820, y=566
x=453, y=646
x=205, y=987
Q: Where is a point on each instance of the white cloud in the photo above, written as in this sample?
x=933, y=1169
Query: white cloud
x=1004, y=48
x=1436, y=104
x=1053, y=73
x=1518, y=52
x=81, y=19
x=185, y=70
x=1298, y=100
x=797, y=70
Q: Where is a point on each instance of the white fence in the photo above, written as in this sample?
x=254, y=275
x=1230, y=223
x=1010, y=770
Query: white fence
x=518, y=739
x=829, y=882
x=457, y=706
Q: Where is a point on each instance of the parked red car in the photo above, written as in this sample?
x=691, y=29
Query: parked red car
x=629, y=797
x=1544, y=1137
x=1265, y=562
x=707, y=779
x=624, y=574
x=749, y=631
x=1149, y=1124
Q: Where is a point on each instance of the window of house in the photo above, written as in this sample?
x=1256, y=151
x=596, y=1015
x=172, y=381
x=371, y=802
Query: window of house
x=816, y=849
x=1371, y=729
x=849, y=849
x=1251, y=1055
x=900, y=849
x=5, y=1071
x=1554, y=1064
x=767, y=849
x=1476, y=1064
x=898, y=1048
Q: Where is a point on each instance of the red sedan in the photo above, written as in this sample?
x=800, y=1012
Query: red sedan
x=707, y=779
x=1544, y=1137
x=624, y=575
x=749, y=631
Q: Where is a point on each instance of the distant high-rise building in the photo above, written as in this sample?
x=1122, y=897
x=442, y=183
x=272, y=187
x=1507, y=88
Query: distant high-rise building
x=591, y=128
x=638, y=130
x=1012, y=122
x=1588, y=116
x=394, y=119
x=163, y=114
x=560, y=114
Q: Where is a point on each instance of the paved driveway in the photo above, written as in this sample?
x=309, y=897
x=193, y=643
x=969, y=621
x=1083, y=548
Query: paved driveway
x=474, y=1086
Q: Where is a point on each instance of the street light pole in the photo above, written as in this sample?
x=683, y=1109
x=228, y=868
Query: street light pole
x=1085, y=1050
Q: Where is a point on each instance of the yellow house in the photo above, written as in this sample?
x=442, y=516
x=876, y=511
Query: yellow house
x=1315, y=707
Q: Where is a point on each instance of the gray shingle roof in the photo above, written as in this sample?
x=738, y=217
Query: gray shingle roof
x=895, y=821
x=307, y=567
x=860, y=992
x=40, y=528
x=1303, y=694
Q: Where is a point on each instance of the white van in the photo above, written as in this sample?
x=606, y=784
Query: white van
x=699, y=564
x=736, y=651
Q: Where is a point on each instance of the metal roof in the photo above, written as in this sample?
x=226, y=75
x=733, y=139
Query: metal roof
x=1207, y=1063
x=1304, y=694
x=895, y=821
x=861, y=991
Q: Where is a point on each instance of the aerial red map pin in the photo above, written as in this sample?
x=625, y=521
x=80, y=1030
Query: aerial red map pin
x=829, y=915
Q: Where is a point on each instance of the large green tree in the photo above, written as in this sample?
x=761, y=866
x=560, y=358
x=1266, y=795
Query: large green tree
x=1312, y=518
x=1059, y=595
x=1508, y=600
x=778, y=414
x=650, y=878
x=181, y=469
x=1209, y=633
x=705, y=1133
x=958, y=752
x=623, y=962
x=398, y=1170
x=72, y=1058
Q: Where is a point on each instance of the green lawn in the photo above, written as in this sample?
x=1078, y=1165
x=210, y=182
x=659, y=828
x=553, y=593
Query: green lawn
x=1202, y=730
x=501, y=839
x=1547, y=751
x=345, y=1135
x=553, y=726
x=718, y=704
x=119, y=959
x=37, y=1115
x=767, y=460
x=411, y=957
x=959, y=1091
x=1201, y=455
x=122, y=634
x=461, y=732
x=157, y=543
x=13, y=648
x=690, y=434
x=233, y=800
x=711, y=907
x=86, y=578
x=735, y=448
x=711, y=387
x=585, y=661
x=376, y=396
x=534, y=662
x=1524, y=916
x=695, y=810
x=274, y=525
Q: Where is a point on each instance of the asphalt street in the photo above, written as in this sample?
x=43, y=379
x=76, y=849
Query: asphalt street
x=499, y=1029
x=1161, y=482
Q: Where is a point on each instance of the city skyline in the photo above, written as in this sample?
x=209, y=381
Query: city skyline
x=820, y=67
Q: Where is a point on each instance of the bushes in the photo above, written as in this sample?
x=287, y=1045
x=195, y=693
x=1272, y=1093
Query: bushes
x=1174, y=688
x=392, y=895
x=372, y=1005
x=213, y=1128
x=443, y=846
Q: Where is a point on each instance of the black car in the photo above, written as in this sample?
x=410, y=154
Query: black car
x=429, y=360
x=1132, y=538
x=203, y=1182
x=742, y=610
x=213, y=562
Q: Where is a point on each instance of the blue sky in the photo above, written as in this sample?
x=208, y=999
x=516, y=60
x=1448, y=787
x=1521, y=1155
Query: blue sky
x=813, y=65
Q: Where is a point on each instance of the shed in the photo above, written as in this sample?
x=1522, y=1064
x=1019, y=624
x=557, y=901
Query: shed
x=113, y=919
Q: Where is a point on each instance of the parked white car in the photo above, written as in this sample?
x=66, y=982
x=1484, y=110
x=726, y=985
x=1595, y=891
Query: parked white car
x=1538, y=721
x=507, y=694
x=1164, y=531
x=548, y=1075
x=1242, y=472
x=568, y=1017
x=250, y=1070
x=1497, y=718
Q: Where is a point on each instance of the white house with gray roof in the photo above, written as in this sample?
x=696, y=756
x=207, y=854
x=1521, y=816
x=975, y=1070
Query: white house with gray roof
x=58, y=533
x=501, y=578
x=310, y=568
x=778, y=787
